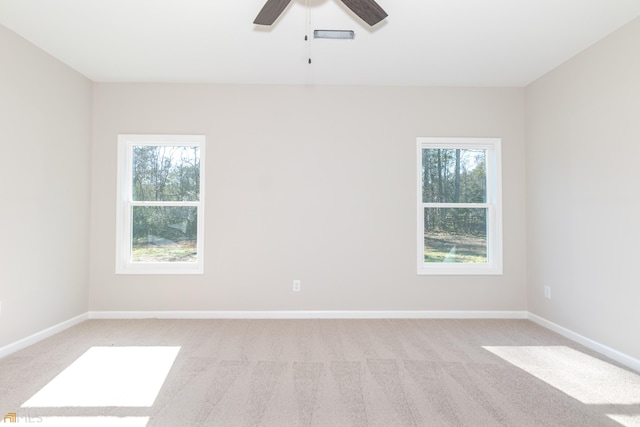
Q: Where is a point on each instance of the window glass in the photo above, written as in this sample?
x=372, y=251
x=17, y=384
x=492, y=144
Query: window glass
x=166, y=173
x=164, y=234
x=459, y=206
x=160, y=204
x=454, y=175
x=457, y=235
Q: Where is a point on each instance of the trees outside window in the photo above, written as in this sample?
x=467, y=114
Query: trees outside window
x=459, y=206
x=160, y=204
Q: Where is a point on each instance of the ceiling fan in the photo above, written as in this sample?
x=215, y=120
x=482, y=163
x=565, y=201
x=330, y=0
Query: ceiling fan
x=368, y=10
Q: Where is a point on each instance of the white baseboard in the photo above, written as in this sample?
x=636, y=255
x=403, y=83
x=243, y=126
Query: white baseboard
x=39, y=336
x=329, y=314
x=303, y=314
x=587, y=342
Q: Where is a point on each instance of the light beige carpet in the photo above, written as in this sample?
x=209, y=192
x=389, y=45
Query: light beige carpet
x=316, y=373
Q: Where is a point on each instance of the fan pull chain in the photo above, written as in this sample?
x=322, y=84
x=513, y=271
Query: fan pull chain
x=307, y=26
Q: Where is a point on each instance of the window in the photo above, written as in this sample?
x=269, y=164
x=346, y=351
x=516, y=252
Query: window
x=160, y=217
x=459, y=206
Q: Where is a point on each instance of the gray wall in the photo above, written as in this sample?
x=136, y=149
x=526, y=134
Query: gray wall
x=318, y=184
x=583, y=211
x=45, y=140
x=315, y=183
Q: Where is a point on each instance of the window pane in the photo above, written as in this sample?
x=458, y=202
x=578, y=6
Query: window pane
x=164, y=234
x=166, y=173
x=457, y=235
x=454, y=175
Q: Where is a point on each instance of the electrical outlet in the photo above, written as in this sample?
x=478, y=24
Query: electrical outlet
x=547, y=292
x=296, y=285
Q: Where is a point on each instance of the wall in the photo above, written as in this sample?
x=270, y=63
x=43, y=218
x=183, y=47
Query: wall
x=583, y=148
x=45, y=137
x=315, y=183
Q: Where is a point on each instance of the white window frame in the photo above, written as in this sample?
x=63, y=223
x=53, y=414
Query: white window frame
x=493, y=205
x=125, y=203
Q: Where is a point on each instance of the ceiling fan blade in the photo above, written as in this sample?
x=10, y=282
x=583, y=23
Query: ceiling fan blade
x=368, y=10
x=270, y=11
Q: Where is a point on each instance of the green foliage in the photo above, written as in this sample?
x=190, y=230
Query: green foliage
x=454, y=176
x=469, y=221
x=173, y=223
x=455, y=248
x=436, y=256
x=162, y=173
x=165, y=174
x=146, y=253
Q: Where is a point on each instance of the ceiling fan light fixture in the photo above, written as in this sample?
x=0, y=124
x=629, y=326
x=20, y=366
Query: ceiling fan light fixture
x=334, y=34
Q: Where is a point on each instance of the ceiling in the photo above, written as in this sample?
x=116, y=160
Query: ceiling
x=421, y=43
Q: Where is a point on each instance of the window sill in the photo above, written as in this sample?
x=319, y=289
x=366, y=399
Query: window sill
x=160, y=268
x=447, y=269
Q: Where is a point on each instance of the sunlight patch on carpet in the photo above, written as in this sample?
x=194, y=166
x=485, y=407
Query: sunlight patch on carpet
x=626, y=420
x=585, y=378
x=109, y=376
